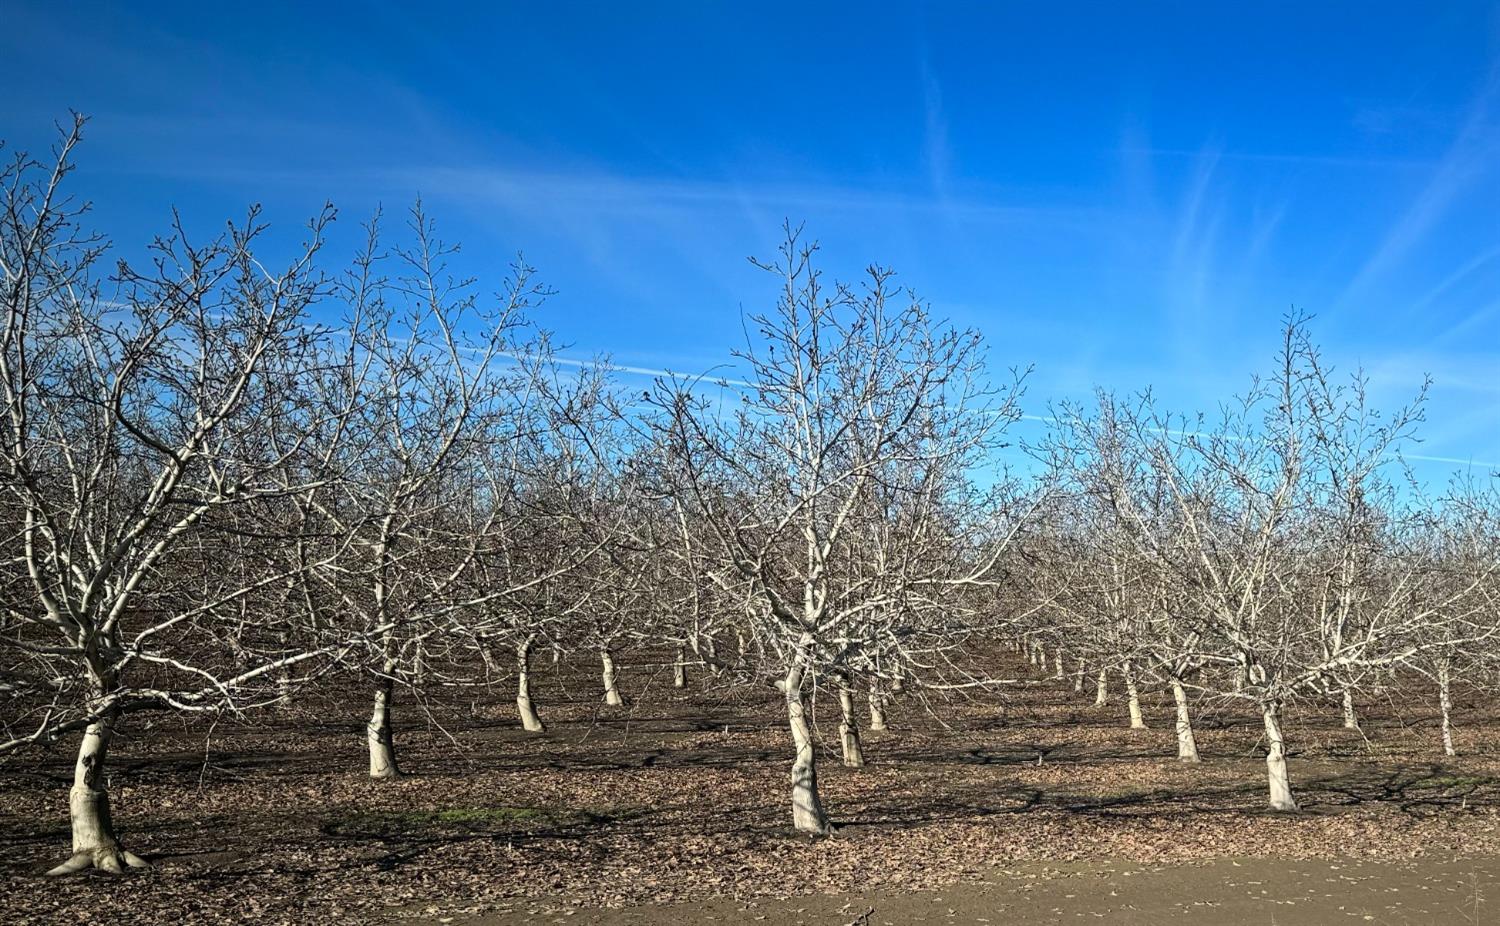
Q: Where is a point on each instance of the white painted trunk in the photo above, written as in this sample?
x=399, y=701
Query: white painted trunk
x=1351, y=719
x=1101, y=690
x=1187, y=743
x=1445, y=702
x=877, y=706
x=1078, y=677
x=285, y=686
x=1280, y=785
x=611, y=690
x=711, y=647
x=1137, y=720
x=378, y=732
x=807, y=808
x=1058, y=671
x=679, y=669
x=530, y=721
x=854, y=753
x=94, y=842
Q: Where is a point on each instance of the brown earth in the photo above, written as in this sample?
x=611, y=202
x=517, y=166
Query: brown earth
x=1031, y=805
x=1223, y=892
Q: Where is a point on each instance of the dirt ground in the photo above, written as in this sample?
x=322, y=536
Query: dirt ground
x=1031, y=807
x=1225, y=892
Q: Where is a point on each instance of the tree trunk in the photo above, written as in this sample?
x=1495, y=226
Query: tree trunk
x=898, y=685
x=1187, y=744
x=1078, y=677
x=679, y=669
x=711, y=647
x=1445, y=702
x=1137, y=721
x=611, y=691
x=1351, y=719
x=378, y=732
x=1280, y=786
x=854, y=753
x=1101, y=692
x=1058, y=671
x=94, y=842
x=530, y=722
x=807, y=808
x=877, y=706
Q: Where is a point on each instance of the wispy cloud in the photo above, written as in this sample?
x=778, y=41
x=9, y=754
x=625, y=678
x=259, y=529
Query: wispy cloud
x=1470, y=156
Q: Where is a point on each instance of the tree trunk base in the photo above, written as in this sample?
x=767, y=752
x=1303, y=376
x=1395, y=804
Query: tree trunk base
x=111, y=859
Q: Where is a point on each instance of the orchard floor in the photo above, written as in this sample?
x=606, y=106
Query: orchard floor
x=1030, y=807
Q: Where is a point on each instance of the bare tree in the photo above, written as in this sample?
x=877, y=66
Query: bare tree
x=135, y=408
x=851, y=391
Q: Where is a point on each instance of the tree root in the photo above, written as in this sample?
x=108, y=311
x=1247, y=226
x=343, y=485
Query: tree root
x=111, y=859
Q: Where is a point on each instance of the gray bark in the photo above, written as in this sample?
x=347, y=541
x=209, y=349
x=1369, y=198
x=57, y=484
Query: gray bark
x=1101, y=691
x=679, y=669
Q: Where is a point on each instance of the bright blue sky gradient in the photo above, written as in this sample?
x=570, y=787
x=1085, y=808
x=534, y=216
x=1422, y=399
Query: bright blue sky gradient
x=1121, y=194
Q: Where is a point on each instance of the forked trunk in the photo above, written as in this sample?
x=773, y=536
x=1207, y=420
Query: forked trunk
x=1280, y=785
x=378, y=731
x=1101, y=691
x=1445, y=702
x=530, y=722
x=611, y=690
x=877, y=706
x=94, y=841
x=1137, y=721
x=854, y=753
x=1187, y=744
x=679, y=669
x=1351, y=719
x=807, y=808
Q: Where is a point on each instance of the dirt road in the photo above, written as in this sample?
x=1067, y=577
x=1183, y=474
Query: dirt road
x=1226, y=892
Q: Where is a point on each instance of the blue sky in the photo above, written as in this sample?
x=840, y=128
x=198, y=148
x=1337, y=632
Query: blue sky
x=1120, y=194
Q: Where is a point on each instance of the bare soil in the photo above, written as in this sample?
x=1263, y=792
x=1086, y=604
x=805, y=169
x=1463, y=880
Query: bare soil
x=1031, y=804
x=1223, y=892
